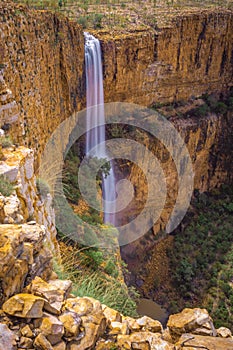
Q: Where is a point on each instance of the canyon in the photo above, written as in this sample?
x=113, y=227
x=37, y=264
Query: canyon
x=42, y=83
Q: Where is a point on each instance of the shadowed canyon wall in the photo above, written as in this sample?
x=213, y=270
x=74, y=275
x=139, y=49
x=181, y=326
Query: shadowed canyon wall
x=209, y=142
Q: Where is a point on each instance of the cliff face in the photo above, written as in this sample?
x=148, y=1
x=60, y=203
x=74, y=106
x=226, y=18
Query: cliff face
x=191, y=57
x=41, y=72
x=209, y=143
x=42, y=78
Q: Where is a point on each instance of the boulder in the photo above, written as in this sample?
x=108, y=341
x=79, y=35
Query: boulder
x=60, y=346
x=52, y=328
x=24, y=305
x=54, y=292
x=42, y=343
x=71, y=322
x=82, y=306
x=224, y=332
x=187, y=321
x=93, y=321
x=148, y=324
x=25, y=343
x=26, y=331
x=7, y=338
x=111, y=314
x=132, y=324
x=143, y=340
x=118, y=328
x=192, y=342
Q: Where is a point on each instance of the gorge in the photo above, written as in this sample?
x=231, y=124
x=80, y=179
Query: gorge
x=183, y=70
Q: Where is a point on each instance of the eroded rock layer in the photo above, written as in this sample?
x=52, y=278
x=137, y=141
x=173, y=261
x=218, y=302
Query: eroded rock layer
x=42, y=57
x=190, y=57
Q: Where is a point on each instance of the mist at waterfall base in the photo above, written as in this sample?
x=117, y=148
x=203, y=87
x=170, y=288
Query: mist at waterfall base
x=96, y=136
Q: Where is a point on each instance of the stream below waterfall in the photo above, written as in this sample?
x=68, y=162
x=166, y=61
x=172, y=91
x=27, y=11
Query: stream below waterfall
x=151, y=309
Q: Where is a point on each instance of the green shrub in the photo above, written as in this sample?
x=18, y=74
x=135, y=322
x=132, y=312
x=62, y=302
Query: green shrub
x=42, y=187
x=95, y=257
x=97, y=20
x=83, y=21
x=202, y=110
x=230, y=103
x=220, y=107
x=6, y=141
x=6, y=187
x=111, y=268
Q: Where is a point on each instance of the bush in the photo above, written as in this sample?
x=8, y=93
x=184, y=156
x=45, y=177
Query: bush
x=220, y=107
x=97, y=20
x=42, y=187
x=83, y=21
x=6, y=141
x=202, y=110
x=6, y=187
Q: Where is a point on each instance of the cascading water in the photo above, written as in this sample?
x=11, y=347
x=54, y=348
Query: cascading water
x=95, y=116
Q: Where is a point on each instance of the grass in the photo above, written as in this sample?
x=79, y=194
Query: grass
x=6, y=187
x=42, y=187
x=88, y=273
x=119, y=13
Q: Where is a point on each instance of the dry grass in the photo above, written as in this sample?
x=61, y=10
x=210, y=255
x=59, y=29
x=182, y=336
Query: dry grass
x=120, y=14
x=91, y=279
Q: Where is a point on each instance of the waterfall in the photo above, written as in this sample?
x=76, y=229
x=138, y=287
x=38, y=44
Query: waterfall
x=95, y=116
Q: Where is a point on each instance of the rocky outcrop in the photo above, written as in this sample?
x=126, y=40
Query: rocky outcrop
x=25, y=203
x=27, y=223
x=23, y=256
x=41, y=72
x=28, y=322
x=192, y=56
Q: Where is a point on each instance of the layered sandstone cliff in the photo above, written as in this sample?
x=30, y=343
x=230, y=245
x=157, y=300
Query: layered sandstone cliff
x=192, y=56
x=41, y=72
x=42, y=78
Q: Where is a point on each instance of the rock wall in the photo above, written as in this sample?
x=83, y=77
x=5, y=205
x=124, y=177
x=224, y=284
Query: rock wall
x=27, y=223
x=209, y=142
x=42, y=78
x=41, y=72
x=25, y=204
x=24, y=255
x=190, y=57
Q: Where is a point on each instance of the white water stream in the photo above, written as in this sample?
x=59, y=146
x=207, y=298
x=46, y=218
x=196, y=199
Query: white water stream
x=95, y=116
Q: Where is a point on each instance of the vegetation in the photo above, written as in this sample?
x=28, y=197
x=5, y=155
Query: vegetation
x=42, y=187
x=6, y=187
x=201, y=258
x=6, y=141
x=88, y=269
x=198, y=107
x=120, y=13
x=92, y=259
x=71, y=183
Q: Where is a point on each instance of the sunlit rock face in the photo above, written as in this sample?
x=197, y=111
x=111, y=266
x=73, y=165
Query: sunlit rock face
x=190, y=57
x=42, y=61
